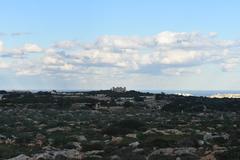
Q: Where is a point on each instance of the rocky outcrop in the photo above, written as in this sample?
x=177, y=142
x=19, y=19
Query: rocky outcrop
x=20, y=157
x=52, y=155
x=172, y=153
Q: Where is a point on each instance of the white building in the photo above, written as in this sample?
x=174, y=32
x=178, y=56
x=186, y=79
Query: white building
x=118, y=89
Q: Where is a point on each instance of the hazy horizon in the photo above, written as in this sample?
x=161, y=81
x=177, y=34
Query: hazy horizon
x=204, y=93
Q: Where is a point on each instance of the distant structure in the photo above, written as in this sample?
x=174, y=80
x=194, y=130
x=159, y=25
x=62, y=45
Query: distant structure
x=118, y=89
x=183, y=94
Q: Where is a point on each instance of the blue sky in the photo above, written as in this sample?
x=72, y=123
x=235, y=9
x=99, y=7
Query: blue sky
x=150, y=44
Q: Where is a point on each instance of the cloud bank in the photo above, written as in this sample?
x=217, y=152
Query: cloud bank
x=113, y=56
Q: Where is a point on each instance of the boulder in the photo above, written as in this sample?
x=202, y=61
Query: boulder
x=134, y=144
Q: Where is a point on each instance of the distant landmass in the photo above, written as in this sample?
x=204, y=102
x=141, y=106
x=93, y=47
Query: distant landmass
x=204, y=93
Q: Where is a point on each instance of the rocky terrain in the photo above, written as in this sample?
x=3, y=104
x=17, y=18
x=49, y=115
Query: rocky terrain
x=103, y=125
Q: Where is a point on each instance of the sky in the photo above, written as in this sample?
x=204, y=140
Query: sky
x=143, y=45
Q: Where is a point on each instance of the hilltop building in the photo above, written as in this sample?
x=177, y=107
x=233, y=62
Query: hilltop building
x=118, y=89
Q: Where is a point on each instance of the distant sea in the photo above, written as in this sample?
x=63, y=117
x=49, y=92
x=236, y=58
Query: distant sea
x=203, y=93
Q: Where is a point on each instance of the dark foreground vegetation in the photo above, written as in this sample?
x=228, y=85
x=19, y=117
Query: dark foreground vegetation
x=107, y=125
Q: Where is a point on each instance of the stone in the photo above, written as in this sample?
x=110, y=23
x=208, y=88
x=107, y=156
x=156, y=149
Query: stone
x=134, y=144
x=138, y=150
x=115, y=157
x=117, y=140
x=131, y=135
x=81, y=138
x=74, y=145
x=94, y=152
x=60, y=157
x=20, y=157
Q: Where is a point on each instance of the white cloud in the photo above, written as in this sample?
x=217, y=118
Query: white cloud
x=20, y=33
x=212, y=34
x=3, y=65
x=1, y=46
x=28, y=72
x=166, y=50
x=181, y=71
x=178, y=57
x=31, y=48
x=119, y=42
x=230, y=64
x=67, y=67
x=21, y=51
x=52, y=59
x=167, y=53
x=68, y=44
x=166, y=38
x=26, y=67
